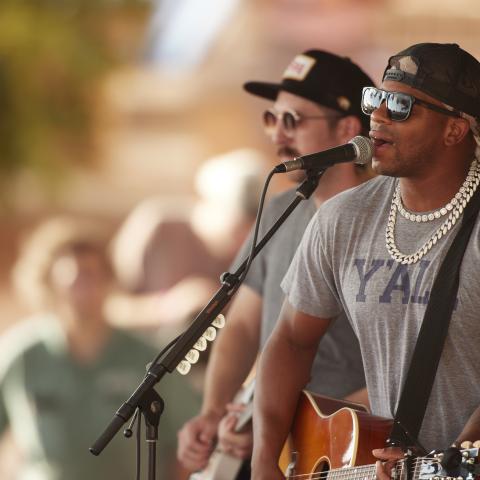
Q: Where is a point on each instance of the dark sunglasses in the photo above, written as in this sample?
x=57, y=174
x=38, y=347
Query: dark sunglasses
x=290, y=119
x=399, y=105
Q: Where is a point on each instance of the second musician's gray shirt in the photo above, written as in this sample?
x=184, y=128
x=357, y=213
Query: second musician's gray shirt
x=337, y=369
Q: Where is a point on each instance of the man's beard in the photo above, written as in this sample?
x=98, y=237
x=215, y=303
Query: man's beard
x=287, y=152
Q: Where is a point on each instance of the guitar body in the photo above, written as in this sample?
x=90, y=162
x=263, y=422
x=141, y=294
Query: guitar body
x=328, y=434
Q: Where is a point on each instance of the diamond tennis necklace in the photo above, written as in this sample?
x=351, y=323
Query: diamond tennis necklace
x=453, y=208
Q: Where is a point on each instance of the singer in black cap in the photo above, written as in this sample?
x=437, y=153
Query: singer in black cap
x=316, y=106
x=373, y=252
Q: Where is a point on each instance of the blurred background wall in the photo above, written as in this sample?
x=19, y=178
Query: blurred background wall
x=106, y=102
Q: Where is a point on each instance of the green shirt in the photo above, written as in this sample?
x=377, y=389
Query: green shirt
x=57, y=407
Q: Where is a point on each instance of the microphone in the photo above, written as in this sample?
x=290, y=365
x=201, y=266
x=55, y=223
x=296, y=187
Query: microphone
x=358, y=148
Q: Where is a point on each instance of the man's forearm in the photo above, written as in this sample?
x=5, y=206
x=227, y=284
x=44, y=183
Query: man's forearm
x=234, y=353
x=359, y=396
x=229, y=364
x=283, y=371
x=471, y=431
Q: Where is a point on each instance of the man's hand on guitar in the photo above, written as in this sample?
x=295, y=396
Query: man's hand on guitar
x=237, y=444
x=388, y=458
x=196, y=441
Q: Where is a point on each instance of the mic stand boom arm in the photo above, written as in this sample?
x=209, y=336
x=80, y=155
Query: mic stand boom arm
x=230, y=283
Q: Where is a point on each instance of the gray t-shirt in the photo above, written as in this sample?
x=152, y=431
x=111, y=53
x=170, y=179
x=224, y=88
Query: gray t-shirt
x=343, y=265
x=337, y=369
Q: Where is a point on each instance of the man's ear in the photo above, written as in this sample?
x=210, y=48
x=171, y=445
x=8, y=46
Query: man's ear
x=347, y=128
x=456, y=130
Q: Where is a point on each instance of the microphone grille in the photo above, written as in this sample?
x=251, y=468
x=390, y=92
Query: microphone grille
x=364, y=148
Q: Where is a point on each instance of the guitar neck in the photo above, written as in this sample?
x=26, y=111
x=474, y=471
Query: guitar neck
x=363, y=472
x=368, y=472
x=245, y=417
x=245, y=396
x=419, y=468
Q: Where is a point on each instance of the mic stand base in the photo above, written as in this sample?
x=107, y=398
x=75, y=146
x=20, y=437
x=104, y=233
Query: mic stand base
x=151, y=407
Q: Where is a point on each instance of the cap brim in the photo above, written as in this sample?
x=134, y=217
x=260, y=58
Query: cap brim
x=263, y=89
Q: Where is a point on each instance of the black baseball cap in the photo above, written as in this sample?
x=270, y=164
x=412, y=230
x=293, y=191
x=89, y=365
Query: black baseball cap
x=442, y=70
x=324, y=78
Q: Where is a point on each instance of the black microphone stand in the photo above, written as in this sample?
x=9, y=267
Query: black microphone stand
x=145, y=397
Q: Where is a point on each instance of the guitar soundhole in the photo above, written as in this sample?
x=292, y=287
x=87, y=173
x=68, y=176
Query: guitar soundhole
x=321, y=470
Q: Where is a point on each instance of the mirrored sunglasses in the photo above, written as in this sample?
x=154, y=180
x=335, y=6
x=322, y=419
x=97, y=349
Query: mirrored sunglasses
x=399, y=105
x=290, y=119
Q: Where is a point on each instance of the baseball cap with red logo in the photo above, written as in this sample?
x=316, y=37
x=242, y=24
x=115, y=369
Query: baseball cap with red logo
x=322, y=77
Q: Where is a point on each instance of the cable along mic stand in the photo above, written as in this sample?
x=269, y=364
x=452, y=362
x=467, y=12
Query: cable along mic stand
x=145, y=397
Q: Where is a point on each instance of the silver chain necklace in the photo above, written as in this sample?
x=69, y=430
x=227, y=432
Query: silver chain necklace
x=453, y=208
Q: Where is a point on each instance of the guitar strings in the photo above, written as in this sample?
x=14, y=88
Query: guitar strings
x=369, y=474
x=319, y=475
x=359, y=472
